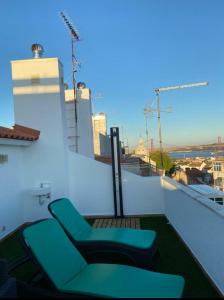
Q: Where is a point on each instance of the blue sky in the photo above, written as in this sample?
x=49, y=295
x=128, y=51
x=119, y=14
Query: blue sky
x=128, y=48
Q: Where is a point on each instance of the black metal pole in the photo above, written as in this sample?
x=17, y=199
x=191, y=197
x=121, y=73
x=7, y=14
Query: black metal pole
x=116, y=172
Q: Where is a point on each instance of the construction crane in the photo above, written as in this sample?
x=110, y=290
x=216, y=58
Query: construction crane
x=183, y=86
x=146, y=127
x=74, y=38
x=147, y=110
x=163, y=89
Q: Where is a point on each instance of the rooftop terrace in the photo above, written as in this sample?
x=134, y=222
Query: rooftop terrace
x=174, y=258
x=41, y=169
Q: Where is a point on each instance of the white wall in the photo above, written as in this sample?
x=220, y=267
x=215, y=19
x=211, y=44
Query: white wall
x=90, y=185
x=11, y=185
x=91, y=189
x=200, y=223
x=41, y=105
x=18, y=178
x=38, y=92
x=142, y=195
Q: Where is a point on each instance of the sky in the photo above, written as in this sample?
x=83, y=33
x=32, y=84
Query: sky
x=127, y=49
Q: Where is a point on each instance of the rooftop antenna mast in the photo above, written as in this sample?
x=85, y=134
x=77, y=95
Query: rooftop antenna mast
x=74, y=38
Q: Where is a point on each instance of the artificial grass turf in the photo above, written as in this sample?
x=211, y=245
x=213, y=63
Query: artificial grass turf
x=174, y=258
x=12, y=249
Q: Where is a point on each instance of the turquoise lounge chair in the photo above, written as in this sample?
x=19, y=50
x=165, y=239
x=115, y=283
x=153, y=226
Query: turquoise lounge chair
x=131, y=246
x=70, y=274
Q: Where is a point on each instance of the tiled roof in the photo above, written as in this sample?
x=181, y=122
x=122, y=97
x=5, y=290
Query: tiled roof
x=19, y=132
x=195, y=164
x=219, y=159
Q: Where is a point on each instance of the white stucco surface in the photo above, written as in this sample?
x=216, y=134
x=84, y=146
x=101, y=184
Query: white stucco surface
x=46, y=159
x=142, y=195
x=11, y=185
x=90, y=185
x=200, y=222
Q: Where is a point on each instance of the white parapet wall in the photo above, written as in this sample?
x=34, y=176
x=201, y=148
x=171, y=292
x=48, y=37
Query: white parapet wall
x=200, y=223
x=142, y=195
x=90, y=185
x=91, y=189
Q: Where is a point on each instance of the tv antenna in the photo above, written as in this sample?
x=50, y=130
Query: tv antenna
x=74, y=38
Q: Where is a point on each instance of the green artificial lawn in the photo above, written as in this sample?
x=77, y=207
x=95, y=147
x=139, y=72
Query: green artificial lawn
x=11, y=248
x=174, y=258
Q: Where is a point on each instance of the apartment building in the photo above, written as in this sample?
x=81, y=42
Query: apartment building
x=101, y=140
x=218, y=173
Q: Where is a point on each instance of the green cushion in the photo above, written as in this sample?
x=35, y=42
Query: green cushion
x=118, y=281
x=70, y=273
x=142, y=239
x=81, y=231
x=54, y=251
x=70, y=218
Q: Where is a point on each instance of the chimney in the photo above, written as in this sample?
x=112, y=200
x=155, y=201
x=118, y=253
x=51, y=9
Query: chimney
x=37, y=50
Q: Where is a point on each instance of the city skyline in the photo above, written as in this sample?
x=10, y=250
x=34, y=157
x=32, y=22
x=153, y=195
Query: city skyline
x=128, y=48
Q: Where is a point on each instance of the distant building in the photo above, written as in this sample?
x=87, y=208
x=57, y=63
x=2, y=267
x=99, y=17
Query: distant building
x=189, y=176
x=101, y=140
x=193, y=171
x=129, y=163
x=218, y=173
x=192, y=176
x=141, y=151
x=100, y=123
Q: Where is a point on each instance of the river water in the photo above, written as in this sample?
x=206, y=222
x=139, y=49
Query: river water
x=195, y=154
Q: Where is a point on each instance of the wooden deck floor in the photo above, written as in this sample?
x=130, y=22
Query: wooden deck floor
x=119, y=222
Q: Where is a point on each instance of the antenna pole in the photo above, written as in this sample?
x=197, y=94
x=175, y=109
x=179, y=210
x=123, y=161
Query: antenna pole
x=74, y=37
x=147, y=140
x=74, y=91
x=159, y=129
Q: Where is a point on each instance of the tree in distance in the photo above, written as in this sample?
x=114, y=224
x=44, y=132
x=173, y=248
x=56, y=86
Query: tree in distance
x=167, y=162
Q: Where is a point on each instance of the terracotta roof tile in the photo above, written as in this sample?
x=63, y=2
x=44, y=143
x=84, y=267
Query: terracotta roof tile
x=19, y=132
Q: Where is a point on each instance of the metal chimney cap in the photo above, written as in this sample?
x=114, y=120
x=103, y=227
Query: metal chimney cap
x=37, y=50
x=81, y=85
